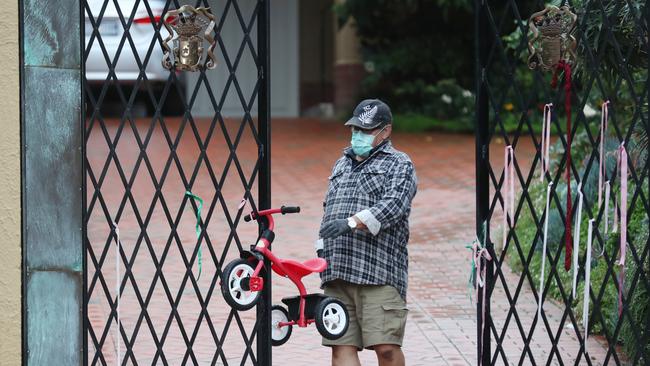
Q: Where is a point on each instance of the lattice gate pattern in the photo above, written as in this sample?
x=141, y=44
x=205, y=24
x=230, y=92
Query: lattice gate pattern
x=611, y=66
x=146, y=146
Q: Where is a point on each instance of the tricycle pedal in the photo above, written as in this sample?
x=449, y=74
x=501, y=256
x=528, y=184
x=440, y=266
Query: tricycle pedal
x=256, y=283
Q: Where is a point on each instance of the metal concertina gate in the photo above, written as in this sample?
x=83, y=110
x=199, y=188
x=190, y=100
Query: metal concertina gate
x=143, y=250
x=612, y=65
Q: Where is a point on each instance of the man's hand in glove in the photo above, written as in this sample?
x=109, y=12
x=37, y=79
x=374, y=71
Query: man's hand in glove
x=335, y=228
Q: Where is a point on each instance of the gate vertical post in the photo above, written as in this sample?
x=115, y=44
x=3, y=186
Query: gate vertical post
x=52, y=183
x=264, y=180
x=481, y=126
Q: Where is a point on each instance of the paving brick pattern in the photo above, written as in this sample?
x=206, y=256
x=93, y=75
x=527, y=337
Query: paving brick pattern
x=441, y=328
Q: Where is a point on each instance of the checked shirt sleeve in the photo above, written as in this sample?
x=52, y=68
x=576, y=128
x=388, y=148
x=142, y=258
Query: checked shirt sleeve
x=401, y=186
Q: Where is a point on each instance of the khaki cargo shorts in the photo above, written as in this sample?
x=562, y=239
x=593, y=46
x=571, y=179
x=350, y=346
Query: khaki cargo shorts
x=377, y=314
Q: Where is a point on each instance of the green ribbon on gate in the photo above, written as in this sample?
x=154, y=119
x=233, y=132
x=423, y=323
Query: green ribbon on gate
x=471, y=283
x=472, y=273
x=198, y=228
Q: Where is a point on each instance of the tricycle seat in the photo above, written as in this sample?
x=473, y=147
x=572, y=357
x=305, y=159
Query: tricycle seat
x=304, y=268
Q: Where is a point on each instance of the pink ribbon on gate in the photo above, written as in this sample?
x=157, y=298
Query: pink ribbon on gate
x=508, y=192
x=622, y=168
x=602, y=167
x=541, y=276
x=615, y=223
x=546, y=141
x=479, y=252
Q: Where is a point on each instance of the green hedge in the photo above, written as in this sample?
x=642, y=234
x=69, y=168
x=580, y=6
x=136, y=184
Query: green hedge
x=421, y=123
x=417, y=122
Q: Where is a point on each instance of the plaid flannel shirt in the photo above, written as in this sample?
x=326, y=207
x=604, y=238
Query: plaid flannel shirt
x=379, y=191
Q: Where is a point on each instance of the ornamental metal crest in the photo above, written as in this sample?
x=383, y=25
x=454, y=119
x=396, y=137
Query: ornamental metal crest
x=192, y=26
x=552, y=41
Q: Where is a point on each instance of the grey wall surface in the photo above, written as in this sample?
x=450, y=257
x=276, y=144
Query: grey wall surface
x=52, y=183
x=284, y=62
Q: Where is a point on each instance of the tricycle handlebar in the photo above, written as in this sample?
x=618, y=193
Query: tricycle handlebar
x=290, y=209
x=283, y=210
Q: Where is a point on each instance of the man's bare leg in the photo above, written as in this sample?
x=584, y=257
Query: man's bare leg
x=345, y=356
x=389, y=355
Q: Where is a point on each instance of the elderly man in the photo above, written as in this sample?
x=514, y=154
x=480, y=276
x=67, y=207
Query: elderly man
x=365, y=230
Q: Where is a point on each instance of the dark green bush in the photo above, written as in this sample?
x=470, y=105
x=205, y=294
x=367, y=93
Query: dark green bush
x=410, y=47
x=447, y=108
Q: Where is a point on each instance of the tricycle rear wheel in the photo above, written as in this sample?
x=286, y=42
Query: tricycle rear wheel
x=279, y=335
x=332, y=318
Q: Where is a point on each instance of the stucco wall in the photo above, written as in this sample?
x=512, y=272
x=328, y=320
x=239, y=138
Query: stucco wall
x=10, y=237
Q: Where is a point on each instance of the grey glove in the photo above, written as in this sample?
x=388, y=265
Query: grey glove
x=335, y=228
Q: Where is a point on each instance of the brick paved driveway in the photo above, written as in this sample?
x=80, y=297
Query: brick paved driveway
x=441, y=328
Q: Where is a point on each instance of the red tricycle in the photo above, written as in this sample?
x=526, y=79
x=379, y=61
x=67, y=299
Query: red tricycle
x=241, y=286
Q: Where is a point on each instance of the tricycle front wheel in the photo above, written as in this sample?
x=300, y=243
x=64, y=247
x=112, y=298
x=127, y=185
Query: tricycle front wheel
x=235, y=285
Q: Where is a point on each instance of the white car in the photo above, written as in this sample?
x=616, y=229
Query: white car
x=127, y=70
x=111, y=32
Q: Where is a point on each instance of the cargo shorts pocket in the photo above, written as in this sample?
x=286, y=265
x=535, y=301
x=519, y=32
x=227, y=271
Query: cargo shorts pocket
x=395, y=319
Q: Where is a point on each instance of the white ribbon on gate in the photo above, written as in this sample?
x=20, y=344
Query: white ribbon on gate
x=546, y=141
x=541, y=276
x=585, y=305
x=118, y=245
x=622, y=168
x=508, y=191
x=576, y=240
x=242, y=203
x=602, y=167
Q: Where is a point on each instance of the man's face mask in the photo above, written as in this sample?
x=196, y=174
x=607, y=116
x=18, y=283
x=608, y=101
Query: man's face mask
x=362, y=142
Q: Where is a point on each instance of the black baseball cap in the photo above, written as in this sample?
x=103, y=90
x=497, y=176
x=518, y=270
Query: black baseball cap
x=370, y=114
